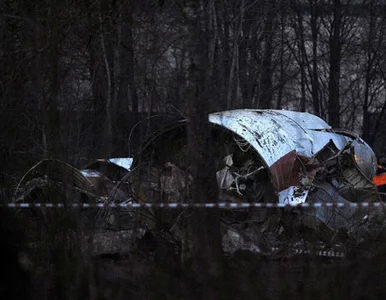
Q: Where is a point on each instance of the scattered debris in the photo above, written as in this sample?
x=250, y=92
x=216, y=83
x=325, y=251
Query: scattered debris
x=276, y=156
x=113, y=168
x=261, y=156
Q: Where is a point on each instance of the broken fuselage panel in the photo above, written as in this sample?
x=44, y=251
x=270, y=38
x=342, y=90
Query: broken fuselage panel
x=275, y=134
x=276, y=156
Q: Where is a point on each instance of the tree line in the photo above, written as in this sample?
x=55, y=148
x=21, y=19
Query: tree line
x=84, y=79
x=101, y=59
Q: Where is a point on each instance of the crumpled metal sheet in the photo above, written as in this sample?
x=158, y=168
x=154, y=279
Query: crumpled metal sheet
x=91, y=173
x=297, y=158
x=172, y=182
x=286, y=171
x=365, y=160
x=305, y=120
x=293, y=195
x=124, y=162
x=166, y=183
x=271, y=134
x=322, y=138
x=225, y=177
x=275, y=133
x=359, y=223
x=114, y=168
x=337, y=218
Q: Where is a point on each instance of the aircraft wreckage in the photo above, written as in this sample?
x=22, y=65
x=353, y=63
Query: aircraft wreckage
x=261, y=156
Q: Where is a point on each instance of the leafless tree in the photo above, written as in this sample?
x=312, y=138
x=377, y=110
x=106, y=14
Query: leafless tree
x=205, y=225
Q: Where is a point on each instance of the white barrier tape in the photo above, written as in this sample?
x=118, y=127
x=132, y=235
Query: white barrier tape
x=225, y=205
x=329, y=253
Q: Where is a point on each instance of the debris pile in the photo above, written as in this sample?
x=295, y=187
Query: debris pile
x=265, y=156
x=274, y=156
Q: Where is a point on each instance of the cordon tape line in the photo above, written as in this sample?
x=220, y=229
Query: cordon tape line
x=224, y=205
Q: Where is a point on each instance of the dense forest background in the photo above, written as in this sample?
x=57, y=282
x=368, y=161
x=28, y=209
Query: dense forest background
x=76, y=76
x=85, y=79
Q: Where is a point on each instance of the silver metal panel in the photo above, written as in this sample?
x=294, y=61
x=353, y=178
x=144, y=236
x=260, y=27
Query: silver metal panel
x=293, y=195
x=305, y=120
x=365, y=158
x=321, y=138
x=274, y=133
x=91, y=173
x=124, y=162
x=271, y=133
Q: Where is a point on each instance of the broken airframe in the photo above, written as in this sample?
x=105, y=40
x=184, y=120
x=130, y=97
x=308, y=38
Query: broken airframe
x=261, y=156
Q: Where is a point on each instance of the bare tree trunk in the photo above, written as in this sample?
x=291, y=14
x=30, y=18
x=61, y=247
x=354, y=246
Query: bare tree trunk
x=370, y=58
x=126, y=58
x=266, y=92
x=377, y=125
x=204, y=224
x=127, y=86
x=302, y=88
x=212, y=31
x=281, y=59
x=97, y=76
x=52, y=126
x=109, y=126
x=52, y=116
x=314, y=76
x=123, y=77
x=379, y=57
x=225, y=53
x=246, y=78
x=303, y=61
x=231, y=81
x=335, y=61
